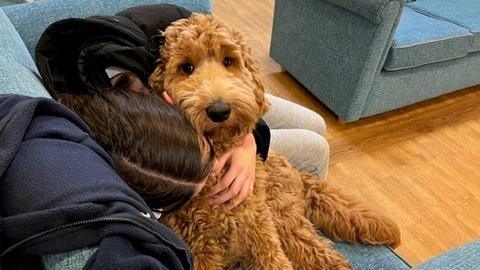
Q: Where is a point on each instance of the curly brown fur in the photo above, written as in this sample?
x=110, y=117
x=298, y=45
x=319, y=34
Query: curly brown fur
x=275, y=227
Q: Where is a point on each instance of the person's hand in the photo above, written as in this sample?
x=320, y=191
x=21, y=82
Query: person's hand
x=167, y=97
x=237, y=183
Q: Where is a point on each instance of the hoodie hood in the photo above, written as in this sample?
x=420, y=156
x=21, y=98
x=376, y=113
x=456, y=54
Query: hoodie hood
x=72, y=54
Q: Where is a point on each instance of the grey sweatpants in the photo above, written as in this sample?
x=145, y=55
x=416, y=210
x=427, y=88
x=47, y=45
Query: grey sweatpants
x=298, y=133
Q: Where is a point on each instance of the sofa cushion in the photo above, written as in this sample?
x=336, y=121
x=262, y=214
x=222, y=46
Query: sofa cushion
x=466, y=257
x=465, y=13
x=18, y=74
x=30, y=20
x=371, y=257
x=421, y=40
x=6, y=3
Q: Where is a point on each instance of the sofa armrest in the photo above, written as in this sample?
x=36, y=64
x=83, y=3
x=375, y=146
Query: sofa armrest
x=335, y=48
x=369, y=9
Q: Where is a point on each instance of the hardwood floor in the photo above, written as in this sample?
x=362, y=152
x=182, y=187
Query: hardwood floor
x=419, y=165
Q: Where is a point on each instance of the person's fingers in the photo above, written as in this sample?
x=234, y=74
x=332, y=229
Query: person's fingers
x=232, y=191
x=225, y=181
x=167, y=97
x=215, y=166
x=252, y=186
x=220, y=163
x=242, y=195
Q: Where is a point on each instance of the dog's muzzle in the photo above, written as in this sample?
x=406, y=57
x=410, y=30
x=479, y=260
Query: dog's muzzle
x=219, y=111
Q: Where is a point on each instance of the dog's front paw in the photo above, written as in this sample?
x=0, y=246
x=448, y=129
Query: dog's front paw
x=379, y=230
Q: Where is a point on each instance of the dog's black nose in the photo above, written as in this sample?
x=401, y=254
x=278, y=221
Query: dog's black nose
x=219, y=111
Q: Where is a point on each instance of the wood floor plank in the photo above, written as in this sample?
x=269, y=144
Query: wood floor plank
x=419, y=164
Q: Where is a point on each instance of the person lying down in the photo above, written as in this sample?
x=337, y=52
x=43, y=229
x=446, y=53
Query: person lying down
x=155, y=149
x=61, y=198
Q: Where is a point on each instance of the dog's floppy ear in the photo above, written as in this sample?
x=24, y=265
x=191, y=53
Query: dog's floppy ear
x=171, y=33
x=253, y=67
x=155, y=81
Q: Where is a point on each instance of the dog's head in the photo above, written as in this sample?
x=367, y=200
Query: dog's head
x=208, y=70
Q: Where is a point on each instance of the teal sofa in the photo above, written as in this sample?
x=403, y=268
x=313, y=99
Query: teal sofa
x=20, y=28
x=365, y=57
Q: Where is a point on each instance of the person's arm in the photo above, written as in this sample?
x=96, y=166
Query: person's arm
x=238, y=182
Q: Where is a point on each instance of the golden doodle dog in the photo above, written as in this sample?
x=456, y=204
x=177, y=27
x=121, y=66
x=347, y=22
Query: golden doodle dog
x=208, y=70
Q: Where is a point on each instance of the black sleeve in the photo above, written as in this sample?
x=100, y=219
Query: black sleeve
x=58, y=185
x=262, y=138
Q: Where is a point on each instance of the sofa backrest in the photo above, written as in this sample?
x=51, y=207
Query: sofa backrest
x=22, y=25
x=18, y=73
x=31, y=19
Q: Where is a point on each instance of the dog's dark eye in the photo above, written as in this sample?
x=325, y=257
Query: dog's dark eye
x=227, y=61
x=188, y=68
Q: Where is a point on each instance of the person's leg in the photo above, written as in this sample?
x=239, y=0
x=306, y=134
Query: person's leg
x=286, y=114
x=298, y=133
x=308, y=151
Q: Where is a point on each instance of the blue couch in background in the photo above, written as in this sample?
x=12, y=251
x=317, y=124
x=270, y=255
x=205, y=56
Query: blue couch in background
x=364, y=57
x=20, y=28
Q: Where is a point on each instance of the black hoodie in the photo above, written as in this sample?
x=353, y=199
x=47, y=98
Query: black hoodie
x=72, y=54
x=59, y=192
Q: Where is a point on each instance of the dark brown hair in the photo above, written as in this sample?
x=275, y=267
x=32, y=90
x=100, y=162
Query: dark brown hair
x=155, y=149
